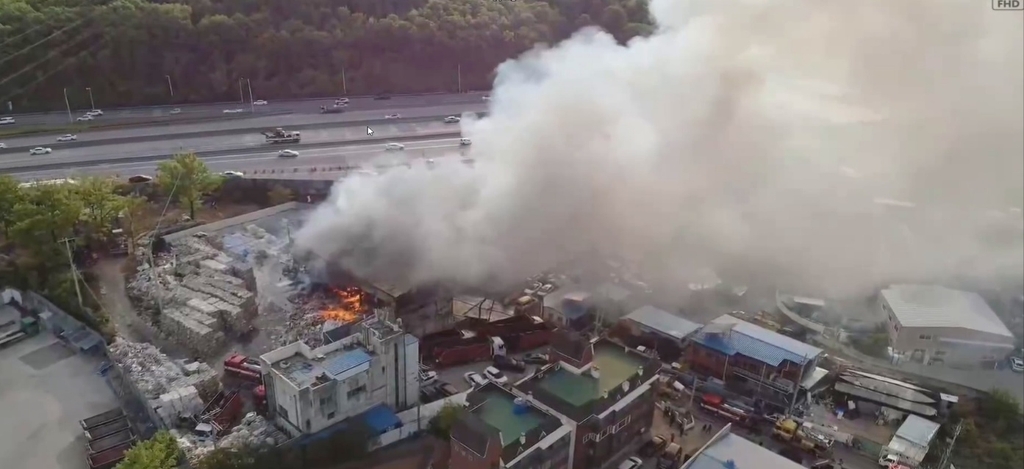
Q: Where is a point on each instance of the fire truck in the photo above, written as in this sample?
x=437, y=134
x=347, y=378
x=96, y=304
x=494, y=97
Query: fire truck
x=282, y=136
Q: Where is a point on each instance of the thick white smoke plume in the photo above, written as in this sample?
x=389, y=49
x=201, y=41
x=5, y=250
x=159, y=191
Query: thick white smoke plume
x=743, y=136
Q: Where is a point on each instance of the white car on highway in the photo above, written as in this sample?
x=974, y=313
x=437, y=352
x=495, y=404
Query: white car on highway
x=175, y=111
x=232, y=174
x=487, y=97
x=393, y=146
x=3, y=145
x=465, y=141
x=6, y=120
x=40, y=151
x=94, y=113
x=67, y=138
x=260, y=102
x=288, y=154
x=233, y=111
x=452, y=119
x=87, y=117
x=393, y=116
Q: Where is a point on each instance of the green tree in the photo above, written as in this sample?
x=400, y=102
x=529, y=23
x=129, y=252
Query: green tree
x=185, y=179
x=441, y=425
x=159, y=452
x=279, y=195
x=10, y=196
x=100, y=204
x=134, y=207
x=45, y=215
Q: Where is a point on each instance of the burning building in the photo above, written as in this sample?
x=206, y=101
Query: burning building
x=421, y=309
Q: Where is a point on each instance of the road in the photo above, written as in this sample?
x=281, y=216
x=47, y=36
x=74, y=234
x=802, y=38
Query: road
x=76, y=158
x=292, y=121
x=366, y=156
x=300, y=106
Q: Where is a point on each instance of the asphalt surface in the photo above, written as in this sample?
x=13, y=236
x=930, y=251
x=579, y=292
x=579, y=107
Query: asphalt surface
x=192, y=111
x=240, y=126
x=368, y=157
x=76, y=158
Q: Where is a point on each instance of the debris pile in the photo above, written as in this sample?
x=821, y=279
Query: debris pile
x=319, y=311
x=254, y=431
x=178, y=404
x=201, y=293
x=155, y=374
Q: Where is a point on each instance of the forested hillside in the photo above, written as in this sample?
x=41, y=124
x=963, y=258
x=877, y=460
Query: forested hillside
x=126, y=50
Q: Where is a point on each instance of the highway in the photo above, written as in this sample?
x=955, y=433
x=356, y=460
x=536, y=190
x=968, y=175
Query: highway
x=77, y=158
x=291, y=122
x=265, y=159
x=191, y=111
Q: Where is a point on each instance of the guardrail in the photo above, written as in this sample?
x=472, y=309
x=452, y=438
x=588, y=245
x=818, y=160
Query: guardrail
x=210, y=154
x=218, y=133
x=224, y=103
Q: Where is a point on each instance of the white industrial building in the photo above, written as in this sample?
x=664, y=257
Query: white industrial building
x=910, y=443
x=933, y=324
x=309, y=390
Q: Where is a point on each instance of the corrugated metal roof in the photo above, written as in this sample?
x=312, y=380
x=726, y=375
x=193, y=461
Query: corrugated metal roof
x=935, y=306
x=735, y=452
x=918, y=430
x=663, y=321
x=381, y=419
x=756, y=342
x=346, y=361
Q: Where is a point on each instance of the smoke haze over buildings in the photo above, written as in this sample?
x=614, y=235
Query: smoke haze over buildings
x=749, y=136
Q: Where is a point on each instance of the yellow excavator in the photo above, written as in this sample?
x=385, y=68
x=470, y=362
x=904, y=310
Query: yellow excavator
x=803, y=437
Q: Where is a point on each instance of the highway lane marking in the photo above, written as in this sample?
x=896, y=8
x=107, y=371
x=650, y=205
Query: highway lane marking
x=319, y=153
x=348, y=148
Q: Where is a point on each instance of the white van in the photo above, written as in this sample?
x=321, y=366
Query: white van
x=465, y=141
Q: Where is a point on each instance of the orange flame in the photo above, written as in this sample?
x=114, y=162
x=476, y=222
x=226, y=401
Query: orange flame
x=349, y=309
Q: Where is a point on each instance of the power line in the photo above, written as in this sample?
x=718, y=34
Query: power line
x=47, y=38
x=18, y=36
x=53, y=53
x=943, y=463
x=92, y=48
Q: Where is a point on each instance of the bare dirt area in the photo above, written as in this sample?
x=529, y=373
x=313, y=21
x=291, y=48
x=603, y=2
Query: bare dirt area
x=204, y=214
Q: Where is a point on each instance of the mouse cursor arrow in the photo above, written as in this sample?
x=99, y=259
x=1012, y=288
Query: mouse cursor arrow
x=369, y=131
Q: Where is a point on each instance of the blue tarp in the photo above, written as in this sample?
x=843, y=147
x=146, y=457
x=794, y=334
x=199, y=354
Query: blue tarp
x=381, y=419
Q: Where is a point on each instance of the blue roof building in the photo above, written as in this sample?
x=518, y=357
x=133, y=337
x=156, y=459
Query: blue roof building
x=773, y=367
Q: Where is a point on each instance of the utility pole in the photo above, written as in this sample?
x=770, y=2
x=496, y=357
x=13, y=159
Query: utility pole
x=344, y=84
x=241, y=93
x=252, y=104
x=169, y=87
x=460, y=77
x=74, y=270
x=68, y=104
x=943, y=464
x=91, y=102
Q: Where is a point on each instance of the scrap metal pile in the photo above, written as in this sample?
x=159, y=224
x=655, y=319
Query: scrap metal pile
x=253, y=431
x=201, y=295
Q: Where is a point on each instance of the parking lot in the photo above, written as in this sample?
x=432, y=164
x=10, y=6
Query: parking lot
x=45, y=389
x=456, y=375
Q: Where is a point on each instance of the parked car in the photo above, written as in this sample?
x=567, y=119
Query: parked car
x=1016, y=364
x=447, y=389
x=503, y=362
x=495, y=375
x=653, y=446
x=631, y=463
x=536, y=358
x=475, y=379
x=427, y=377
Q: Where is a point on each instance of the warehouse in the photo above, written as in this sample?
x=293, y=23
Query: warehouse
x=938, y=325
